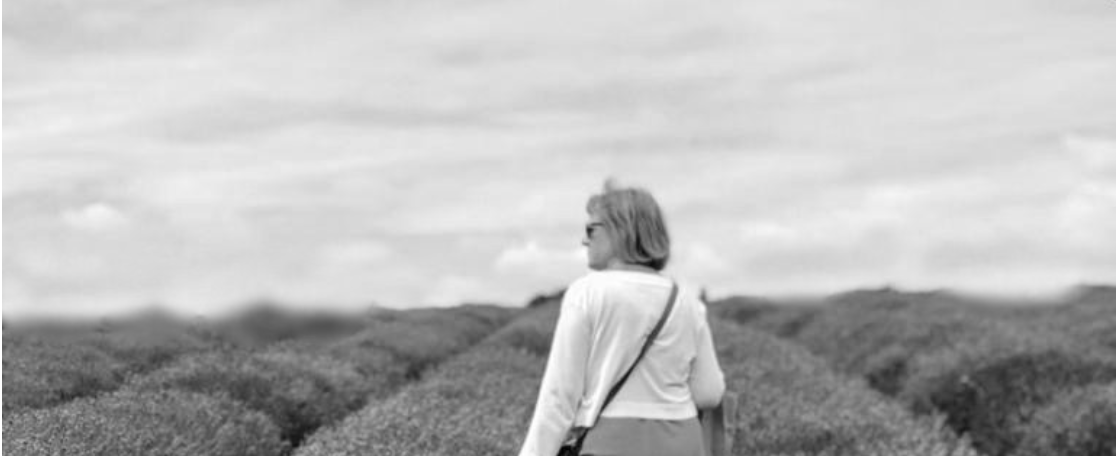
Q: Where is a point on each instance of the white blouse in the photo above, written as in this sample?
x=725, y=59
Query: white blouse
x=605, y=318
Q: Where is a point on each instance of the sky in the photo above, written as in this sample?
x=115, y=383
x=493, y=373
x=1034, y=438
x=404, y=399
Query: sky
x=336, y=154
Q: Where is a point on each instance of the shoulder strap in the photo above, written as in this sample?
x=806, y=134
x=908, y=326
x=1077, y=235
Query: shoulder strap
x=649, y=340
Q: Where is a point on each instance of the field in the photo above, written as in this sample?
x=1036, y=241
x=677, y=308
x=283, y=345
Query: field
x=873, y=372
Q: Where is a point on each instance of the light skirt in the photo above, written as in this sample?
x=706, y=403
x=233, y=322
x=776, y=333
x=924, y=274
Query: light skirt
x=644, y=437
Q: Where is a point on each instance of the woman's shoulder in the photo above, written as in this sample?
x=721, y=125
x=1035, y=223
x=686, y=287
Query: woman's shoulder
x=617, y=280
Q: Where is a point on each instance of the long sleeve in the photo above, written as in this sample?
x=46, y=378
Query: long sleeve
x=706, y=380
x=562, y=387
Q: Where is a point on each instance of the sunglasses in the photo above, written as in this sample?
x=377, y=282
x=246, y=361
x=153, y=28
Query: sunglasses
x=589, y=229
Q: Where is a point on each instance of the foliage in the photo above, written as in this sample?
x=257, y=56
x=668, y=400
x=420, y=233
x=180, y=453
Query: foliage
x=296, y=400
x=532, y=332
x=781, y=319
x=129, y=423
x=790, y=402
x=478, y=404
x=42, y=373
x=1080, y=422
x=146, y=346
x=995, y=403
x=398, y=346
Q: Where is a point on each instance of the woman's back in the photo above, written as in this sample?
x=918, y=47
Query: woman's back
x=622, y=307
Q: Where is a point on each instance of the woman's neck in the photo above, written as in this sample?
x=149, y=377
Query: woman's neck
x=622, y=266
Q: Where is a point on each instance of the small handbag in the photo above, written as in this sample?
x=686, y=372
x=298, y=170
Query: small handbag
x=574, y=441
x=717, y=425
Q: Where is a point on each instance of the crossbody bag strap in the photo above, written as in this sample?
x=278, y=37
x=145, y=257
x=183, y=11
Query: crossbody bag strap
x=649, y=341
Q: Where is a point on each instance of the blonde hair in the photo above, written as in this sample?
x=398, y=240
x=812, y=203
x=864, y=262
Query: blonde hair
x=634, y=219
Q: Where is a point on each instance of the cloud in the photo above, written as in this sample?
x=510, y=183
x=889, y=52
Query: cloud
x=356, y=254
x=97, y=216
x=336, y=150
x=531, y=256
x=1097, y=155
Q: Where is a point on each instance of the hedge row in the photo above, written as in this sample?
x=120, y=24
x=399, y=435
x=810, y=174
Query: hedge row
x=1080, y=422
x=48, y=366
x=296, y=400
x=303, y=384
x=298, y=383
x=791, y=402
x=981, y=368
x=477, y=404
x=130, y=423
x=480, y=403
x=783, y=319
x=41, y=373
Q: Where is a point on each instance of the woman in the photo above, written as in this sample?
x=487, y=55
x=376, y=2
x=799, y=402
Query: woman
x=604, y=319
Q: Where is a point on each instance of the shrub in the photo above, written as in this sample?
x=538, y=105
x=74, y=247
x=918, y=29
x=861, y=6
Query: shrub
x=790, y=402
x=859, y=333
x=532, y=333
x=995, y=403
x=741, y=309
x=338, y=388
x=396, y=347
x=932, y=369
x=1080, y=422
x=296, y=400
x=784, y=319
x=129, y=423
x=41, y=373
x=383, y=371
x=143, y=348
x=477, y=404
x=898, y=341
x=1089, y=323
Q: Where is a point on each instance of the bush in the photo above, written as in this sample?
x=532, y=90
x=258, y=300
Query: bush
x=130, y=423
x=397, y=346
x=40, y=373
x=1090, y=323
x=790, y=402
x=477, y=404
x=532, y=333
x=741, y=309
x=995, y=403
x=296, y=400
x=1080, y=422
x=931, y=369
x=338, y=388
x=784, y=319
x=861, y=333
x=143, y=348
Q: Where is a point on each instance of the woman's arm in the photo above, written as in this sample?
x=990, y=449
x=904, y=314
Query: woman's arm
x=706, y=381
x=563, y=382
